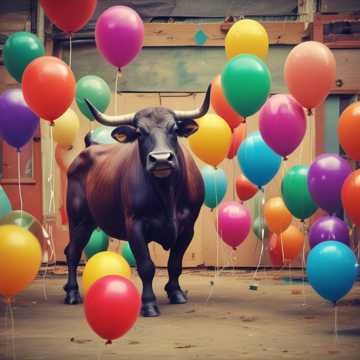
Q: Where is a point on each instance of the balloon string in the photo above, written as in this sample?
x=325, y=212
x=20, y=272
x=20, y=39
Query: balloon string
x=262, y=225
x=19, y=181
x=70, y=50
x=234, y=178
x=117, y=77
x=304, y=268
x=45, y=236
x=335, y=326
x=12, y=324
x=51, y=208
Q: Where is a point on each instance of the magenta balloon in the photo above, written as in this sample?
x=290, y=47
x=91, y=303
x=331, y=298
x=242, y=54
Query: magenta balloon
x=119, y=35
x=282, y=123
x=234, y=222
x=326, y=176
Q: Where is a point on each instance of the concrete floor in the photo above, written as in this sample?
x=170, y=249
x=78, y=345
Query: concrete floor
x=236, y=323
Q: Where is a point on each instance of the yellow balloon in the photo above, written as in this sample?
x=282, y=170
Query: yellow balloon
x=66, y=128
x=212, y=141
x=20, y=259
x=247, y=37
x=102, y=264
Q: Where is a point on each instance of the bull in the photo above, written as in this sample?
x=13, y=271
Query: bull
x=144, y=188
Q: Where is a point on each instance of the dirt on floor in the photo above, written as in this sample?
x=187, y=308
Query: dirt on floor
x=223, y=320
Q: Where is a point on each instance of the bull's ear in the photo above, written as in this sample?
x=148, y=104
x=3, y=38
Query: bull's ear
x=186, y=128
x=124, y=133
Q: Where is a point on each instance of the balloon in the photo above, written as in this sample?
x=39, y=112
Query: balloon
x=244, y=188
x=326, y=176
x=128, y=255
x=66, y=128
x=102, y=264
x=102, y=135
x=350, y=196
x=215, y=185
x=234, y=222
x=212, y=141
x=69, y=16
x=221, y=106
x=332, y=270
x=5, y=205
x=285, y=247
x=258, y=224
x=295, y=192
x=112, y=305
x=310, y=71
x=328, y=228
x=119, y=25
x=99, y=241
x=278, y=217
x=349, y=130
x=96, y=90
x=20, y=258
x=247, y=37
x=49, y=87
x=258, y=162
x=282, y=124
x=246, y=82
x=237, y=137
x=17, y=122
x=20, y=49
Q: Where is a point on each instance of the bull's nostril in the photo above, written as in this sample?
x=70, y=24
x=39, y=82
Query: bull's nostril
x=170, y=157
x=152, y=158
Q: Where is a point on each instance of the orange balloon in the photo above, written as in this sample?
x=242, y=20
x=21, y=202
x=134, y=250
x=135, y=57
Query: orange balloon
x=238, y=135
x=350, y=196
x=285, y=247
x=48, y=86
x=244, y=188
x=277, y=216
x=349, y=130
x=221, y=106
x=310, y=72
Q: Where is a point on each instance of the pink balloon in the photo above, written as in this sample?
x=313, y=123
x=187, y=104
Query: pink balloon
x=234, y=223
x=119, y=35
x=282, y=123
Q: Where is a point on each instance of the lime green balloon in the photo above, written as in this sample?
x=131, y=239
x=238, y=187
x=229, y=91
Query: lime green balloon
x=246, y=82
x=295, y=192
x=257, y=228
x=95, y=89
x=99, y=241
x=20, y=49
x=128, y=255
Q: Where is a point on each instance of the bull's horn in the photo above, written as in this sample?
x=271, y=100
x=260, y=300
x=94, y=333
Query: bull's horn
x=199, y=112
x=126, y=119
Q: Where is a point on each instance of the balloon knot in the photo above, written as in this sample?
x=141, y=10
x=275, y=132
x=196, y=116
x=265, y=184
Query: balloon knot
x=309, y=112
x=234, y=248
x=285, y=158
x=7, y=300
x=52, y=123
x=243, y=120
x=109, y=342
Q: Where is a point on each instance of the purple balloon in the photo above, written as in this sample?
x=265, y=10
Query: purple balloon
x=328, y=228
x=119, y=35
x=326, y=176
x=17, y=122
x=282, y=123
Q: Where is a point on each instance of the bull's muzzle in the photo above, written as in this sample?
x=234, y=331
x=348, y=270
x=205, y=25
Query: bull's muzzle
x=161, y=163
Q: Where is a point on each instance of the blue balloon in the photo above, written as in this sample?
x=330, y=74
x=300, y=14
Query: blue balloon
x=102, y=135
x=332, y=270
x=215, y=183
x=5, y=205
x=257, y=160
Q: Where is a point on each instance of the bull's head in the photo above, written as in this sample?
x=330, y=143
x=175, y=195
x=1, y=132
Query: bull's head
x=156, y=130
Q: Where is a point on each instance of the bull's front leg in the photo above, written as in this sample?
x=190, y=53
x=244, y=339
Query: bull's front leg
x=145, y=267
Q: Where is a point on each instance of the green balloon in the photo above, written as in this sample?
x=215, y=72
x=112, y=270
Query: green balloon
x=95, y=89
x=257, y=228
x=99, y=241
x=246, y=82
x=295, y=192
x=20, y=49
x=128, y=255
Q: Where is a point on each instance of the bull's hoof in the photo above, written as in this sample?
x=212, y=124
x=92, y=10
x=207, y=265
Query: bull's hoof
x=73, y=297
x=177, y=297
x=150, y=310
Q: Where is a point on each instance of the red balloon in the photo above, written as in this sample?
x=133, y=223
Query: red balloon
x=244, y=188
x=69, y=15
x=48, y=86
x=350, y=196
x=238, y=135
x=275, y=251
x=112, y=305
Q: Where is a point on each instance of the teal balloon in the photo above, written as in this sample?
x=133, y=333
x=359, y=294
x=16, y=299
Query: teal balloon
x=295, y=192
x=215, y=184
x=95, y=89
x=246, y=82
x=128, y=255
x=332, y=269
x=257, y=226
x=102, y=135
x=20, y=49
x=257, y=160
x=5, y=205
x=99, y=241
